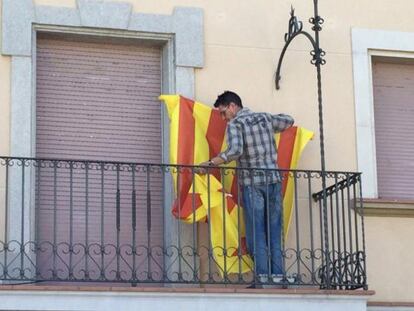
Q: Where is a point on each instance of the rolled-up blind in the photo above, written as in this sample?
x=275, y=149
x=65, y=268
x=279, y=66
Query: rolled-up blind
x=98, y=101
x=394, y=127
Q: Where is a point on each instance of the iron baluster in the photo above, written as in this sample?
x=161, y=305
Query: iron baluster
x=210, y=246
x=118, y=223
x=149, y=220
x=345, y=253
x=194, y=226
x=102, y=238
x=71, y=163
x=22, y=249
x=239, y=236
x=180, y=204
x=54, y=271
x=267, y=223
x=37, y=211
x=86, y=219
x=298, y=249
x=338, y=228
x=364, y=272
x=351, y=244
x=331, y=212
x=134, y=226
x=283, y=239
x=223, y=210
x=321, y=233
x=6, y=221
x=312, y=247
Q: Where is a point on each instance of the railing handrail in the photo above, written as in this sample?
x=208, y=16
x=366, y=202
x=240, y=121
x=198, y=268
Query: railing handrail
x=351, y=179
x=170, y=165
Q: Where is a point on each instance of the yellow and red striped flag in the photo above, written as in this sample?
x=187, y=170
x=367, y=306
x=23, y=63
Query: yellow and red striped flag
x=197, y=133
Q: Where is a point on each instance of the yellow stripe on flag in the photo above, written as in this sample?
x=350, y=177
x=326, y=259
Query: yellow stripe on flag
x=303, y=136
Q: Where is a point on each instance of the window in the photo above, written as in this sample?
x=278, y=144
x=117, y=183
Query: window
x=369, y=48
x=393, y=90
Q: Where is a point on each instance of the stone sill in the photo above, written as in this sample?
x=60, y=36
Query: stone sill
x=187, y=290
x=109, y=298
x=390, y=304
x=387, y=208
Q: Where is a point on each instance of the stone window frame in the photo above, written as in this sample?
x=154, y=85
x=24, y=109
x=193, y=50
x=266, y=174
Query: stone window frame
x=183, y=52
x=182, y=33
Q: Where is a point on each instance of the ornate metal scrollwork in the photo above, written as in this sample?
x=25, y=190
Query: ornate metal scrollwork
x=316, y=22
x=317, y=57
x=295, y=25
x=296, y=28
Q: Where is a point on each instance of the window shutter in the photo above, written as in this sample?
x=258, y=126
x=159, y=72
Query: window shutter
x=394, y=127
x=98, y=101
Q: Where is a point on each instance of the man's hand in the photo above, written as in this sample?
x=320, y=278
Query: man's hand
x=202, y=170
x=205, y=165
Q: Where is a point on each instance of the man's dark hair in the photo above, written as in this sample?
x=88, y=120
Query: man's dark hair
x=228, y=97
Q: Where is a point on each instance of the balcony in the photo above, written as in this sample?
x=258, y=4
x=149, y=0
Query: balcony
x=74, y=221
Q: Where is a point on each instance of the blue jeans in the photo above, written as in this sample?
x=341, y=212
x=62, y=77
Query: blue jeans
x=263, y=219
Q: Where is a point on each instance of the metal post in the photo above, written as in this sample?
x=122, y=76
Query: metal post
x=295, y=29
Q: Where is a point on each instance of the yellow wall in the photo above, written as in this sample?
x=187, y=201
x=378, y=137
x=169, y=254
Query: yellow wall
x=243, y=40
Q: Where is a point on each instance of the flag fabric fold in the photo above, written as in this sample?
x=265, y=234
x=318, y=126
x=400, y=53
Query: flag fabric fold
x=197, y=133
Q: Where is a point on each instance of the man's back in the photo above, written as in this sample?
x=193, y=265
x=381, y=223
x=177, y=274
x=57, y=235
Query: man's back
x=259, y=147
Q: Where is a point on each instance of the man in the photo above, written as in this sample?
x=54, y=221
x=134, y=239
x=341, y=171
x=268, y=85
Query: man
x=250, y=141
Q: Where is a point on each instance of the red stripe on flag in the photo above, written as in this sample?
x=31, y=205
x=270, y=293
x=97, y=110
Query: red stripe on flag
x=216, y=131
x=285, y=151
x=186, y=132
x=190, y=205
x=243, y=248
x=234, y=188
x=230, y=204
x=185, y=154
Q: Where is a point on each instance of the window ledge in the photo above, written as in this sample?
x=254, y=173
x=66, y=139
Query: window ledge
x=387, y=208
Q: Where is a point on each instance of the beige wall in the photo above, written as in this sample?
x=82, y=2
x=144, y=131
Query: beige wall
x=390, y=255
x=242, y=45
x=4, y=125
x=243, y=40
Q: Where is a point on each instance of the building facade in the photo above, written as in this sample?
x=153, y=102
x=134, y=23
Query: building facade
x=81, y=80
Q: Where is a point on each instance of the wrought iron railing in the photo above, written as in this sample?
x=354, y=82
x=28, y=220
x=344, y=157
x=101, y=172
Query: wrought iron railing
x=94, y=221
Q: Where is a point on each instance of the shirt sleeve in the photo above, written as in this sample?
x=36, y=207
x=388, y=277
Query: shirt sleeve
x=281, y=122
x=234, y=143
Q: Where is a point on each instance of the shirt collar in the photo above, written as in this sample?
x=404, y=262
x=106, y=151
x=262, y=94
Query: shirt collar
x=242, y=112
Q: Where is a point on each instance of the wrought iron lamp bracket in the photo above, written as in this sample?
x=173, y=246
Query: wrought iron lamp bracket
x=295, y=28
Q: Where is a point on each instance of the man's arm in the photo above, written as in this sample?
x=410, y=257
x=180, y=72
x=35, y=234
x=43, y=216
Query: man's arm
x=234, y=144
x=234, y=147
x=281, y=122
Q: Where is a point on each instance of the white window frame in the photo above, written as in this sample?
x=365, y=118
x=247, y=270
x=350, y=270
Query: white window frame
x=366, y=44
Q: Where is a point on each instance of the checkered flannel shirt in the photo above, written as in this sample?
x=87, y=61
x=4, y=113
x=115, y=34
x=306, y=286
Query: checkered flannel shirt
x=251, y=142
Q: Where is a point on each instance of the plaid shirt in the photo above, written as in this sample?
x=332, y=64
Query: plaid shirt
x=250, y=141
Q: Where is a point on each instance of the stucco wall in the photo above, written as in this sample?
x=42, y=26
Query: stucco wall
x=242, y=44
x=390, y=258
x=4, y=124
